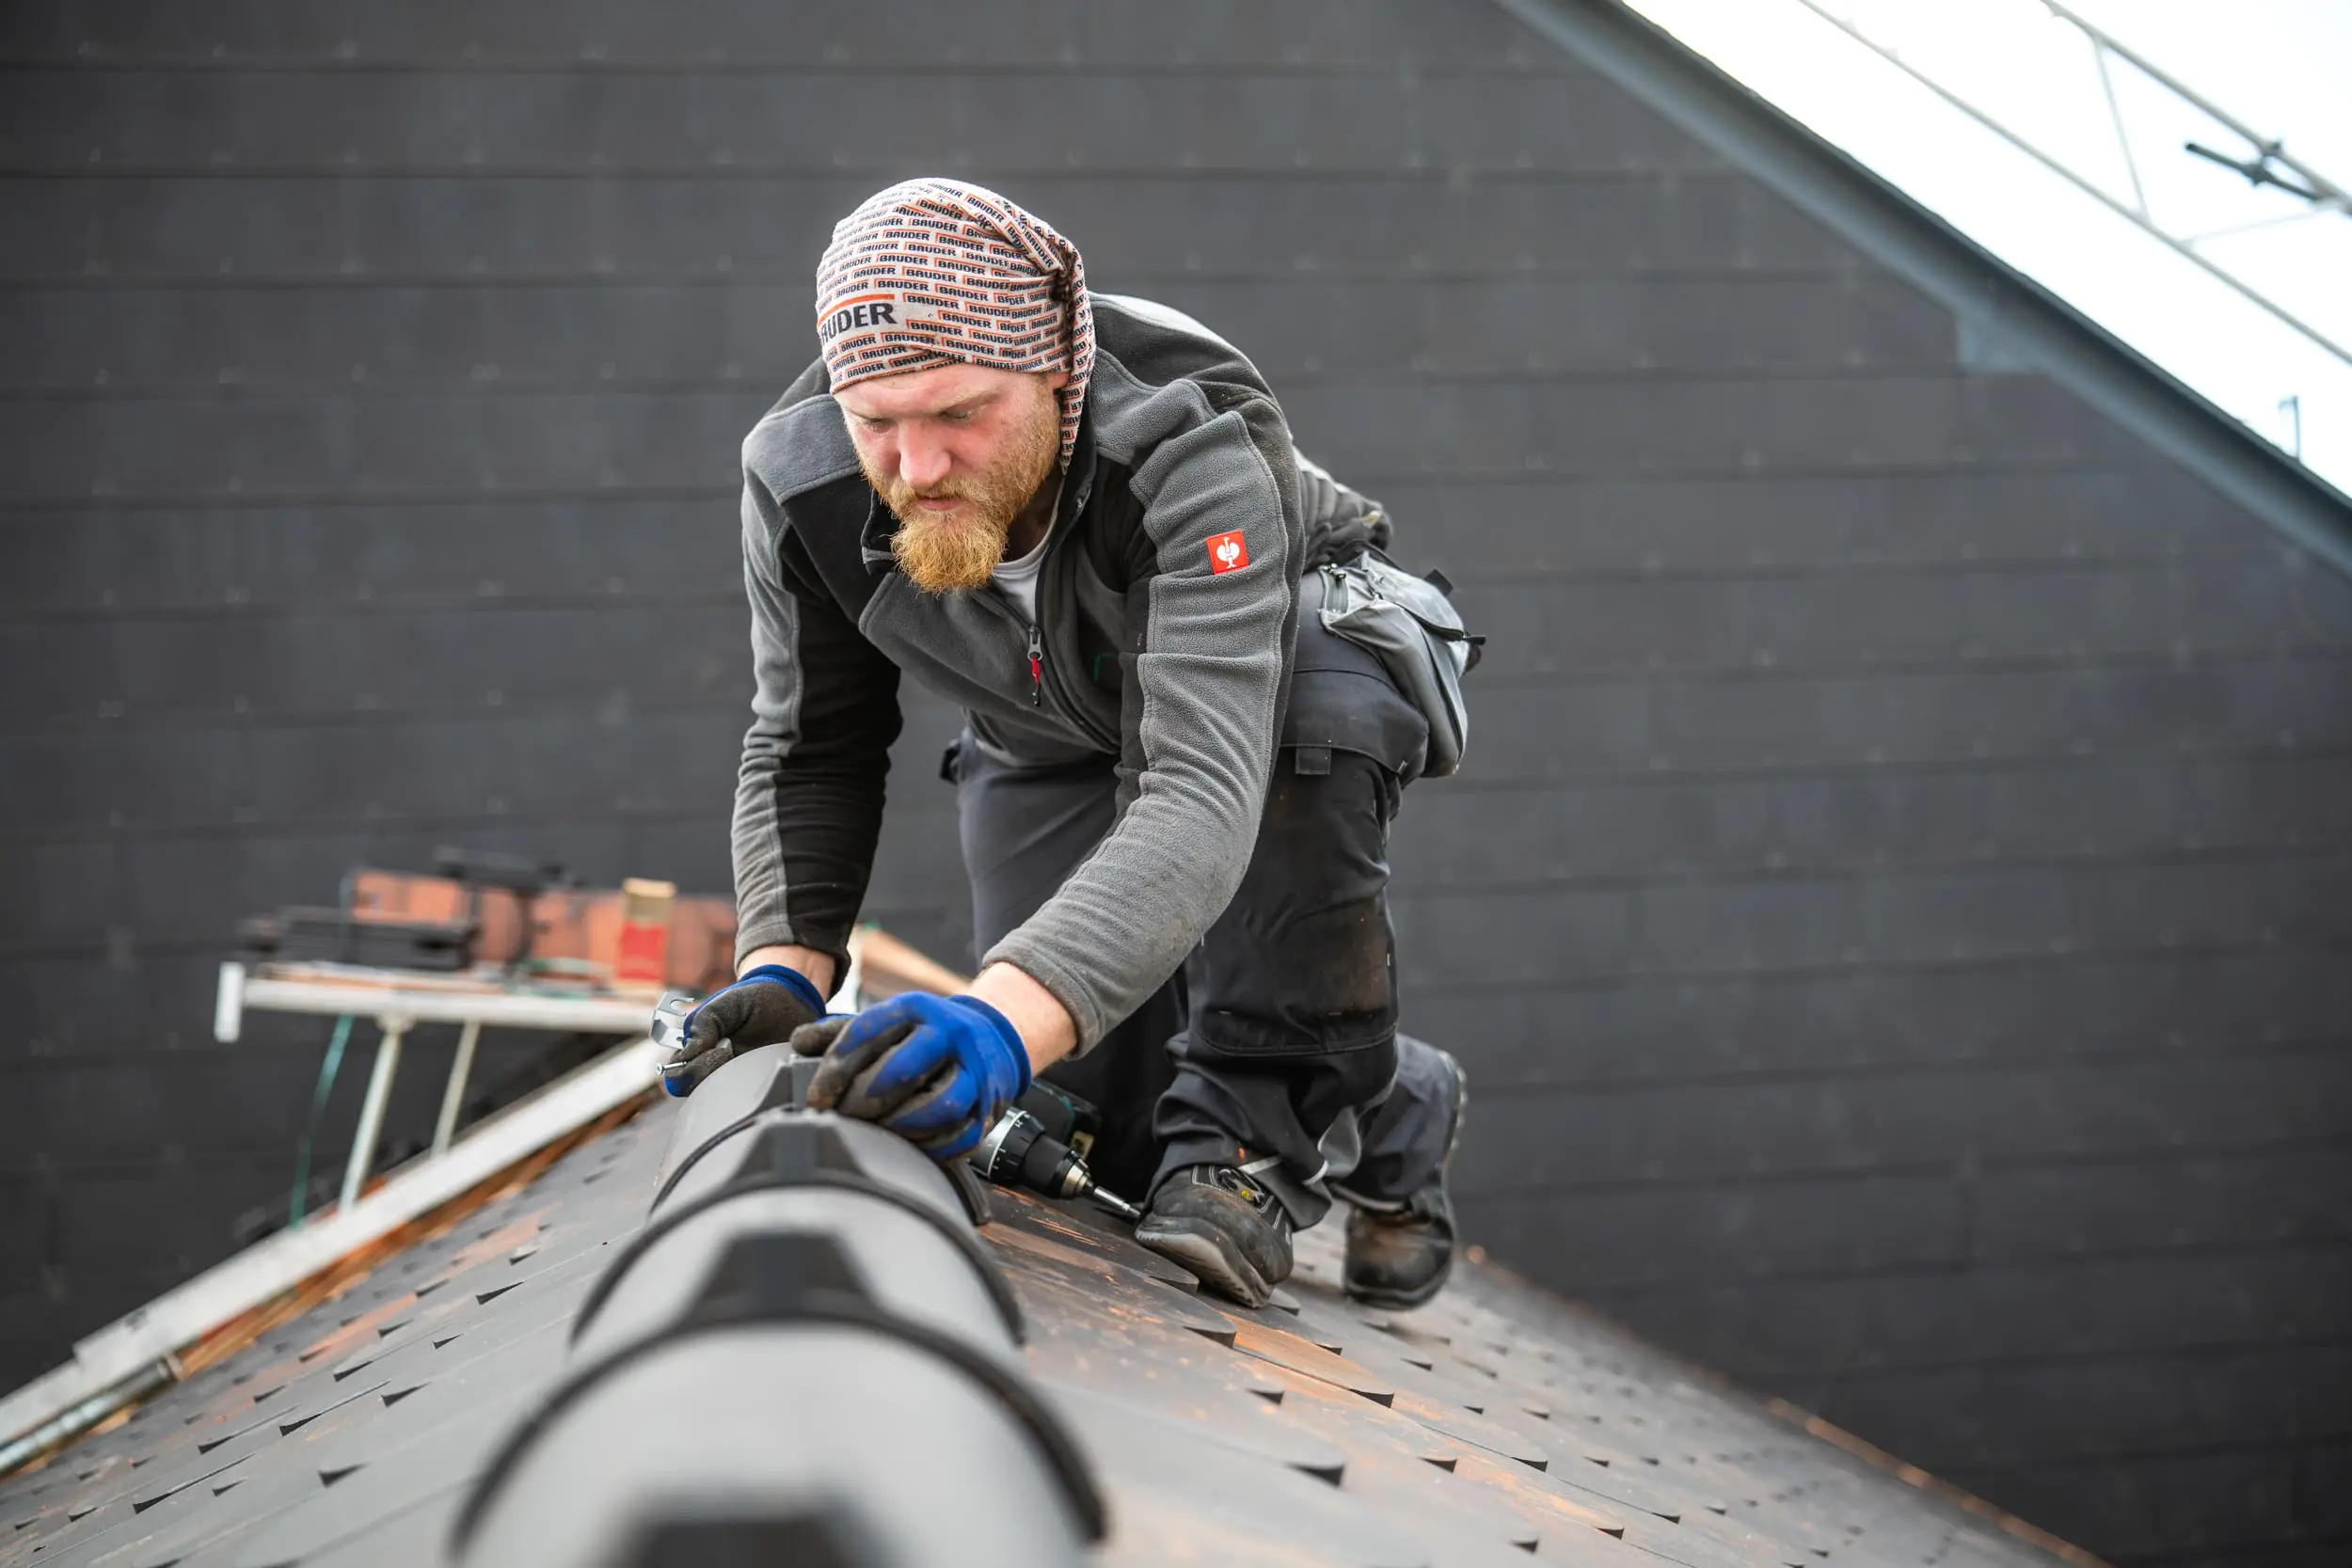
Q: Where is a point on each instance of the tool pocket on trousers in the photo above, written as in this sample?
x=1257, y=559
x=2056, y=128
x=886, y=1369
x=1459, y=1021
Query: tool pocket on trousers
x=1410, y=625
x=1347, y=703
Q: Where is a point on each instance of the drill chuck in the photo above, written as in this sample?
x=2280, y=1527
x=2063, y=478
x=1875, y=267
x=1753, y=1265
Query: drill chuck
x=1018, y=1152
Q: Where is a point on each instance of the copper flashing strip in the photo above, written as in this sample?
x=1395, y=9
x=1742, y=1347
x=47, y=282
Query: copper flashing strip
x=75, y=1419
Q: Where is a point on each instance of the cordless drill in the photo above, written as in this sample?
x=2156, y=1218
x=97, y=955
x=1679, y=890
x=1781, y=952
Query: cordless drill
x=1020, y=1152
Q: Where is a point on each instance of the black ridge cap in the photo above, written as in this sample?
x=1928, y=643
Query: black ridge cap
x=991, y=1276
x=828, y=1536
x=805, y=1146
x=661, y=1191
x=780, y=1281
x=1060, y=1451
x=971, y=1194
x=686, y=1149
x=760, y=1078
x=1980, y=288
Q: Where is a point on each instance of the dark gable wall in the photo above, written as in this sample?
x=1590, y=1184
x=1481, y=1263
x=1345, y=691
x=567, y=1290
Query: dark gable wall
x=1897, y=912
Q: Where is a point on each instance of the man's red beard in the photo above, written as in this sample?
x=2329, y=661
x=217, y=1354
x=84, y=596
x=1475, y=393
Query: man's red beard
x=955, y=551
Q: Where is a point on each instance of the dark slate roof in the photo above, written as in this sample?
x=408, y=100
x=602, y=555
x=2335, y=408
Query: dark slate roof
x=1495, y=1422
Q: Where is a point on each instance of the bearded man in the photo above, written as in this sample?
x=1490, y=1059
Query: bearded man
x=1080, y=518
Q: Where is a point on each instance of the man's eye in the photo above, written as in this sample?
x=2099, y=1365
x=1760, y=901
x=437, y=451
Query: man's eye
x=958, y=416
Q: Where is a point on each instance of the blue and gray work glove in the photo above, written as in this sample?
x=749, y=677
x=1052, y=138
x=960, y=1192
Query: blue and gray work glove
x=938, y=1071
x=763, y=1007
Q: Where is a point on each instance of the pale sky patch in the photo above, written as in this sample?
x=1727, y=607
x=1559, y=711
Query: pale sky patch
x=2280, y=66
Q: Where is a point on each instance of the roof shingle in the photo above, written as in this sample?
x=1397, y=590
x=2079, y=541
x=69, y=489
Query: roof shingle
x=1493, y=1423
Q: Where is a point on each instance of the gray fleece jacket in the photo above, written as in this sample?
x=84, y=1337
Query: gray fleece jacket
x=1155, y=643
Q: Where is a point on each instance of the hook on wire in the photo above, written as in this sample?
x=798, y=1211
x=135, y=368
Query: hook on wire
x=2258, y=169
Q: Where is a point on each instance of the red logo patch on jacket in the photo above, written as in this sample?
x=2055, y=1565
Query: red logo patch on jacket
x=1227, y=553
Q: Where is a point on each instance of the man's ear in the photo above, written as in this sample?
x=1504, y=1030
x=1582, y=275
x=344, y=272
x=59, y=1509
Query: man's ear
x=1057, y=380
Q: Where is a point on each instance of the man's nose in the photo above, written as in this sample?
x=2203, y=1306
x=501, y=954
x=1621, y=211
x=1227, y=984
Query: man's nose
x=923, y=462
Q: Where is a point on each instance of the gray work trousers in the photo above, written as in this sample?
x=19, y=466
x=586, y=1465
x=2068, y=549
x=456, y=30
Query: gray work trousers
x=1276, y=1044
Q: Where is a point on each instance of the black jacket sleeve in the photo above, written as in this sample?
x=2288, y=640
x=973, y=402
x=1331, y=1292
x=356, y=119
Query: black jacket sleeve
x=809, y=799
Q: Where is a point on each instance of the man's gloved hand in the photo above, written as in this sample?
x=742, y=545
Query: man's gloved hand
x=763, y=1007
x=938, y=1071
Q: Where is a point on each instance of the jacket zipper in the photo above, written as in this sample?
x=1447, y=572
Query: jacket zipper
x=1063, y=705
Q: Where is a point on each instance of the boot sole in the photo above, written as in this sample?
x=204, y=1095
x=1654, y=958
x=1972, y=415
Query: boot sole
x=1208, y=1256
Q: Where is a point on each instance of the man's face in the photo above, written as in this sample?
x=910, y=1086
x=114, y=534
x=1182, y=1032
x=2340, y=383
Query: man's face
x=955, y=453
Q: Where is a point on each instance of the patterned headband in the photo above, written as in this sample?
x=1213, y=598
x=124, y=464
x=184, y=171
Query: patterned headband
x=934, y=272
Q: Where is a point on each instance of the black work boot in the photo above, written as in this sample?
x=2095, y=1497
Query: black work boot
x=1229, y=1231
x=1399, y=1257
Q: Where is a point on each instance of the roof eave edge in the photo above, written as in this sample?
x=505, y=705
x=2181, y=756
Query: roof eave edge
x=116, y=1356
x=1976, y=286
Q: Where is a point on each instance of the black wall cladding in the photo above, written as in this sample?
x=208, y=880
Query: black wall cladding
x=1896, y=913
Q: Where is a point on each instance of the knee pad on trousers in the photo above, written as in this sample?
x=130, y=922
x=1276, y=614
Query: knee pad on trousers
x=1302, y=964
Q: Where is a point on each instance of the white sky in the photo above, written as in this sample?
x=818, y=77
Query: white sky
x=2279, y=66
